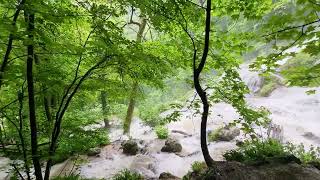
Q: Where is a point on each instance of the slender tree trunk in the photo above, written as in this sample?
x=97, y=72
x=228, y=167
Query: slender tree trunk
x=201, y=92
x=60, y=113
x=2, y=142
x=132, y=101
x=10, y=42
x=46, y=103
x=32, y=109
x=104, y=108
x=23, y=146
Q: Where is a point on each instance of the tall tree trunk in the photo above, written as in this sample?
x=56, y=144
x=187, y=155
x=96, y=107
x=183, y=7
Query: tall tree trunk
x=32, y=109
x=10, y=42
x=132, y=102
x=201, y=92
x=23, y=145
x=134, y=91
x=104, y=108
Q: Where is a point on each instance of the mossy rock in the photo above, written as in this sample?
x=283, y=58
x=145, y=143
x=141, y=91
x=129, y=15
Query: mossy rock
x=130, y=147
x=171, y=145
x=231, y=170
x=224, y=134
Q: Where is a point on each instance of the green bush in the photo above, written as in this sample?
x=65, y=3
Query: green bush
x=198, y=170
x=162, y=132
x=80, y=142
x=256, y=150
x=127, y=175
x=213, y=135
x=197, y=166
x=302, y=70
x=270, y=84
x=70, y=177
x=306, y=156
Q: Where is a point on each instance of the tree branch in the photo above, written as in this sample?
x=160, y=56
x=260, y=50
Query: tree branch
x=10, y=41
x=292, y=27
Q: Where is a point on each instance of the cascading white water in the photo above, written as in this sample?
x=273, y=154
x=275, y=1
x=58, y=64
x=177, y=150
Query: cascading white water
x=252, y=79
x=291, y=108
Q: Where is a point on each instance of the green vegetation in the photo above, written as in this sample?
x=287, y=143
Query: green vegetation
x=306, y=155
x=70, y=177
x=256, y=150
x=259, y=151
x=66, y=66
x=198, y=169
x=87, y=139
x=214, y=135
x=197, y=166
x=162, y=132
x=176, y=91
x=270, y=84
x=302, y=70
x=127, y=175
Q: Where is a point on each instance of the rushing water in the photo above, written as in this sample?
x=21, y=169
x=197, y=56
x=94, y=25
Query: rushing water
x=294, y=110
x=291, y=108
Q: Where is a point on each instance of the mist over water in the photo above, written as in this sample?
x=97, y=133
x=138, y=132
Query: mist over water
x=292, y=109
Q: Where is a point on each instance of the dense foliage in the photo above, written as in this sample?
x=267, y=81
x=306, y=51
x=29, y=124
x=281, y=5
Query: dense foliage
x=262, y=151
x=67, y=65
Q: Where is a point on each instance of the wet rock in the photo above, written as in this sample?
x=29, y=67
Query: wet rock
x=239, y=143
x=181, y=132
x=130, y=147
x=238, y=171
x=224, y=134
x=94, y=152
x=315, y=164
x=311, y=136
x=144, y=165
x=168, y=176
x=171, y=145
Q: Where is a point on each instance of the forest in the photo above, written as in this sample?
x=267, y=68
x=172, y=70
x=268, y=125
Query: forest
x=159, y=89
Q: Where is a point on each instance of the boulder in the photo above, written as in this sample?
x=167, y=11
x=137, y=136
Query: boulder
x=271, y=171
x=311, y=136
x=94, y=152
x=144, y=165
x=225, y=134
x=168, y=176
x=171, y=145
x=130, y=147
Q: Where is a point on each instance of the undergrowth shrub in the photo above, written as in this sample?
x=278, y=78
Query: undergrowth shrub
x=214, y=135
x=197, y=166
x=127, y=175
x=162, y=132
x=79, y=142
x=270, y=84
x=259, y=150
x=306, y=156
x=256, y=150
x=198, y=169
x=70, y=177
